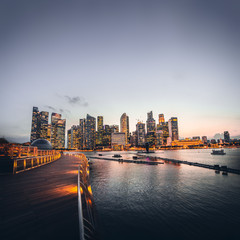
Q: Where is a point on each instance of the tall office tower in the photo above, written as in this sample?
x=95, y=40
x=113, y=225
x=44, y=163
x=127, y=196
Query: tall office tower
x=99, y=123
x=60, y=137
x=55, y=117
x=151, y=130
x=43, y=124
x=82, y=140
x=161, y=118
x=57, y=131
x=69, y=138
x=124, y=126
x=226, y=137
x=159, y=138
x=35, y=125
x=75, y=137
x=90, y=132
x=151, y=124
x=204, y=139
x=99, y=133
x=107, y=136
x=173, y=128
x=140, y=132
x=165, y=133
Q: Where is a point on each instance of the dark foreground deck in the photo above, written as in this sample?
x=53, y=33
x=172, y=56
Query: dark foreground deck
x=41, y=203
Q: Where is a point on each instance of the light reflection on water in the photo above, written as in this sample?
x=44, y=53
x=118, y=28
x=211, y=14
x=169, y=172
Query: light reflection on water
x=138, y=201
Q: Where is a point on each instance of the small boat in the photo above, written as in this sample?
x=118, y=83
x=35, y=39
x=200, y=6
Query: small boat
x=218, y=152
x=217, y=171
x=117, y=155
x=135, y=157
x=99, y=154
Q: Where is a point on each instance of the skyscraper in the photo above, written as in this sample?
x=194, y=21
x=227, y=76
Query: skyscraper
x=82, y=140
x=124, y=126
x=173, y=128
x=226, y=137
x=40, y=126
x=140, y=132
x=43, y=124
x=73, y=137
x=151, y=124
x=35, y=125
x=57, y=131
x=151, y=130
x=90, y=132
x=99, y=133
x=161, y=118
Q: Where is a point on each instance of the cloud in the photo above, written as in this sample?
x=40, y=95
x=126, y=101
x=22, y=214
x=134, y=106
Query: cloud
x=51, y=108
x=76, y=101
x=57, y=110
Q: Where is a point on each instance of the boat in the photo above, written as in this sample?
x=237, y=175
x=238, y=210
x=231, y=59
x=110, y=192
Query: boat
x=135, y=157
x=99, y=154
x=117, y=155
x=218, y=152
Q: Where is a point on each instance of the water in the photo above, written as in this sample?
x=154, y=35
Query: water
x=167, y=201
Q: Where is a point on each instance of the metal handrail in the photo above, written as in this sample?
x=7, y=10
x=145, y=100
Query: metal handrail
x=85, y=201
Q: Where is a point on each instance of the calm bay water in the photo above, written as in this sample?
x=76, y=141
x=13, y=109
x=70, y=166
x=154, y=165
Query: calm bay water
x=167, y=201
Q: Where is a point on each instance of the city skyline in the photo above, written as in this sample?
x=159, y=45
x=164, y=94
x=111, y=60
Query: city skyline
x=103, y=59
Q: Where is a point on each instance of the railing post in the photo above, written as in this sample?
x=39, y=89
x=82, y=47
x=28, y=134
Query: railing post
x=24, y=164
x=14, y=166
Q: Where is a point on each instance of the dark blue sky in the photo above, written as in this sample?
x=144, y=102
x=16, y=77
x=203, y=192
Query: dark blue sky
x=74, y=57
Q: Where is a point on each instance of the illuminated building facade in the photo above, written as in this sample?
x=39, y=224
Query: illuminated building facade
x=165, y=133
x=151, y=124
x=161, y=118
x=107, y=136
x=90, y=132
x=173, y=128
x=40, y=126
x=35, y=125
x=43, y=125
x=100, y=131
x=159, y=138
x=151, y=130
x=118, y=138
x=187, y=143
x=124, y=126
x=82, y=134
x=74, y=137
x=140, y=132
x=58, y=126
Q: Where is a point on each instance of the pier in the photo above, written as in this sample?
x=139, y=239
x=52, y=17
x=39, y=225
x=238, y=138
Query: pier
x=154, y=161
x=128, y=160
x=44, y=203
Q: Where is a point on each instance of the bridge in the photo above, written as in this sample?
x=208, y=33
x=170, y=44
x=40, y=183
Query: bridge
x=53, y=201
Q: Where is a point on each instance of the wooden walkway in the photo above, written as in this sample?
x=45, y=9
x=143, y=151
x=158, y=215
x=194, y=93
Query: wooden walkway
x=41, y=203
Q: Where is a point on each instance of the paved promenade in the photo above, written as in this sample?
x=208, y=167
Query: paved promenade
x=41, y=203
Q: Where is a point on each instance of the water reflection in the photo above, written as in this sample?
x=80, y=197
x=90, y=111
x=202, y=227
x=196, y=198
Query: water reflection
x=164, y=201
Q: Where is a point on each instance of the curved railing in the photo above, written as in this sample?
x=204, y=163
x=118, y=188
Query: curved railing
x=87, y=220
x=19, y=158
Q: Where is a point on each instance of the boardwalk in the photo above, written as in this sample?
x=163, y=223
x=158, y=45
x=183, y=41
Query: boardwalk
x=41, y=203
